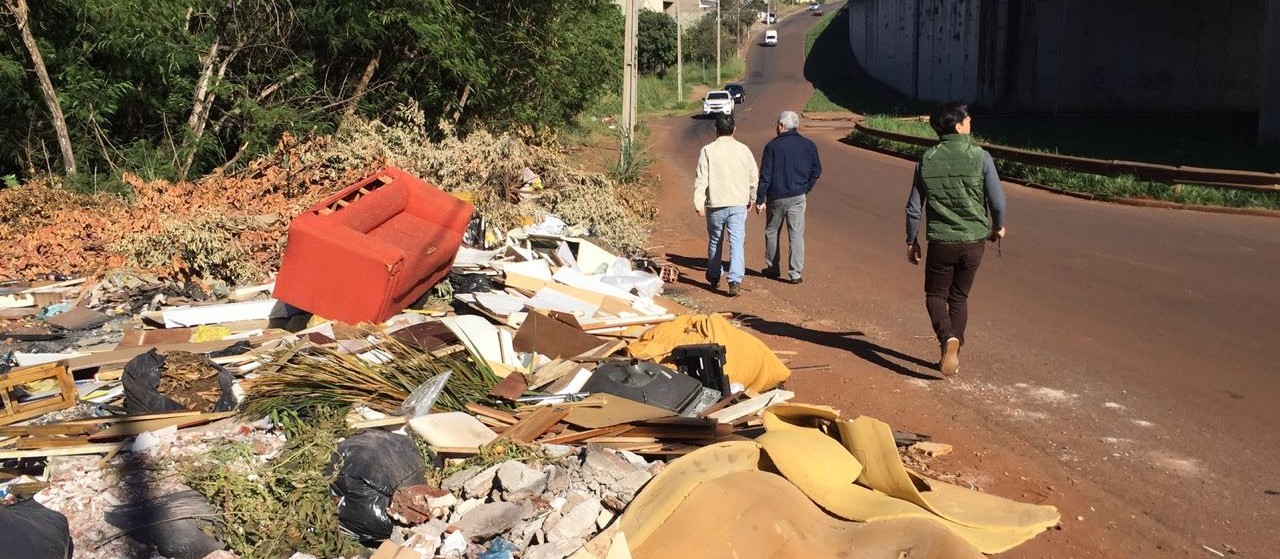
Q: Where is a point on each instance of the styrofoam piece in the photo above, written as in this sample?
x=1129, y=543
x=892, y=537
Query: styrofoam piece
x=29, y=359
x=452, y=429
x=575, y=278
x=552, y=300
x=182, y=317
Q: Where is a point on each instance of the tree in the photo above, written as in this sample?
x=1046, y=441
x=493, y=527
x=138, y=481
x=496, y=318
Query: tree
x=22, y=16
x=177, y=88
x=655, y=42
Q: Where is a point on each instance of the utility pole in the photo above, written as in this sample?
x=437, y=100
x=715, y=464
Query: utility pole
x=718, y=43
x=679, y=56
x=629, y=71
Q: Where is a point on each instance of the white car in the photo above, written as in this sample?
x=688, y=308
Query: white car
x=771, y=38
x=719, y=101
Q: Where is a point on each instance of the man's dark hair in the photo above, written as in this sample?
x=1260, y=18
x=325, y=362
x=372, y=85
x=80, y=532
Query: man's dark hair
x=945, y=118
x=724, y=124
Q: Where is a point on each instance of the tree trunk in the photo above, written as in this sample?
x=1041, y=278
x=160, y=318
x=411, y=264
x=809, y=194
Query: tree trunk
x=369, y=69
x=20, y=14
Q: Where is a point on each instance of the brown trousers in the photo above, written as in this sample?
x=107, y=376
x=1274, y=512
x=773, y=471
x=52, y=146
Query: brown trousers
x=949, y=269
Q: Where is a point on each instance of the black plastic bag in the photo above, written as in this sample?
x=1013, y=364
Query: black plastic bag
x=31, y=531
x=371, y=466
x=471, y=283
x=172, y=523
x=142, y=377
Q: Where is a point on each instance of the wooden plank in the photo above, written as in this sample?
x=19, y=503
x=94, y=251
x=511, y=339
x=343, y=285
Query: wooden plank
x=113, y=419
x=133, y=428
x=29, y=443
x=47, y=430
x=382, y=422
x=579, y=436
x=536, y=424
x=507, y=418
x=98, y=448
x=123, y=355
x=681, y=428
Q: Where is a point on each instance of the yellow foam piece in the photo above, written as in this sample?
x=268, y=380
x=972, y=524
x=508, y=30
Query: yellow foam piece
x=760, y=515
x=861, y=477
x=870, y=441
x=668, y=489
x=748, y=361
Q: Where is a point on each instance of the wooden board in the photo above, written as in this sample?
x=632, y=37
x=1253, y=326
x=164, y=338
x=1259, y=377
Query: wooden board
x=133, y=428
x=498, y=415
x=99, y=448
x=537, y=423
x=28, y=443
x=579, y=436
x=613, y=410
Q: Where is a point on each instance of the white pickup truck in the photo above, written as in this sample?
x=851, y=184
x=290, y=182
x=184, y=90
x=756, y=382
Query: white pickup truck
x=719, y=101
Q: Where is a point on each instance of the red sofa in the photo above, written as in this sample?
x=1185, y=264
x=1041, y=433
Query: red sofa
x=369, y=251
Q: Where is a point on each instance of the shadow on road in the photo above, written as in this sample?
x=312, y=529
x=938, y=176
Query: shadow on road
x=852, y=342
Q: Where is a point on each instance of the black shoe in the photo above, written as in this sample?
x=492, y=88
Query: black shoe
x=714, y=283
x=771, y=273
x=734, y=287
x=795, y=281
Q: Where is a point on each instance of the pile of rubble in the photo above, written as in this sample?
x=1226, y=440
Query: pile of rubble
x=517, y=409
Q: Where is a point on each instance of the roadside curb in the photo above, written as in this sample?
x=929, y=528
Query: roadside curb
x=1138, y=202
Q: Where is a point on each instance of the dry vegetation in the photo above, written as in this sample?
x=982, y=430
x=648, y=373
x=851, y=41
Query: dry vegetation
x=233, y=228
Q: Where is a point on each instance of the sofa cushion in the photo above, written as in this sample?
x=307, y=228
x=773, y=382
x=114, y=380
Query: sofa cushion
x=421, y=241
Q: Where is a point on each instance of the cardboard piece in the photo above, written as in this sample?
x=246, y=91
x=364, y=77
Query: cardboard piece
x=548, y=336
x=79, y=318
x=612, y=410
x=389, y=550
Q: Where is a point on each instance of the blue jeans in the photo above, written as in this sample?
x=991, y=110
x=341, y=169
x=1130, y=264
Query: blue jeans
x=733, y=219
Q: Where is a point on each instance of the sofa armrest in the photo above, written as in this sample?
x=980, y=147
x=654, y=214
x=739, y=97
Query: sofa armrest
x=440, y=208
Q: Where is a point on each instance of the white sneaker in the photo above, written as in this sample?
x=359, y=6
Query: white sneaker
x=950, y=357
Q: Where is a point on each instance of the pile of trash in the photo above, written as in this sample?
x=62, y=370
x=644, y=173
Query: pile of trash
x=544, y=400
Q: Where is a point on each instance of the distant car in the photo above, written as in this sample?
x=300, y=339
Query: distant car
x=737, y=92
x=817, y=11
x=717, y=102
x=771, y=18
x=771, y=38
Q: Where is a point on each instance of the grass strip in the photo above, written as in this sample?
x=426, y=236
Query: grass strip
x=1101, y=186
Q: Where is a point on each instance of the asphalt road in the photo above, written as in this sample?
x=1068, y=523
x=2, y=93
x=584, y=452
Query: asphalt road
x=1137, y=347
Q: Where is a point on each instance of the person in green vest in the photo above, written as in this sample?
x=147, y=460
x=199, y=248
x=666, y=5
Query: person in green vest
x=959, y=191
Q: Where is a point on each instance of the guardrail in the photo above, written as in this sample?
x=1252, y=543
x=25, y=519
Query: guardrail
x=1222, y=178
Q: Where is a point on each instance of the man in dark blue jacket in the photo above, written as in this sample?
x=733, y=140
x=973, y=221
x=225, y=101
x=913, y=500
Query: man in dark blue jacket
x=788, y=170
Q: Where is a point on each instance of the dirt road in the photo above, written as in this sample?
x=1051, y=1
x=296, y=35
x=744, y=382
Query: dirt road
x=1123, y=363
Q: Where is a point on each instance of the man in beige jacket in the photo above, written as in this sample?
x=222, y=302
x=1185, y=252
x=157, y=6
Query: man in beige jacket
x=723, y=189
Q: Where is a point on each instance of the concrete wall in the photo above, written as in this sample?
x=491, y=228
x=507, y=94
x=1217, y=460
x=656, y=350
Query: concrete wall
x=1067, y=55
x=1140, y=55
x=925, y=48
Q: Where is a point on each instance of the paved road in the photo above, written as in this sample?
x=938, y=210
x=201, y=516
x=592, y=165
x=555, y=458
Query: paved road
x=1152, y=337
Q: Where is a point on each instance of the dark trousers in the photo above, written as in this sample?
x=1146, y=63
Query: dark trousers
x=949, y=269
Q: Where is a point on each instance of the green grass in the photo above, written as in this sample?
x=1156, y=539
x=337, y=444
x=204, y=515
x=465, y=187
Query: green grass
x=1123, y=186
x=658, y=94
